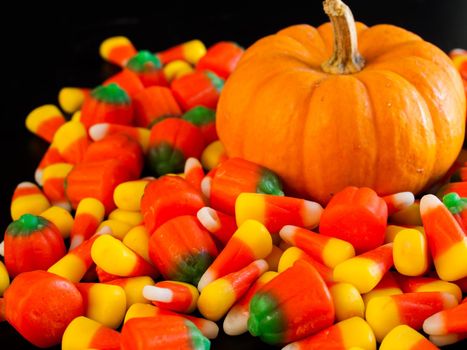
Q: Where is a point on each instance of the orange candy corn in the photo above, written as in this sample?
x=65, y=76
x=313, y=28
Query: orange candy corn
x=162, y=332
x=166, y=198
x=366, y=270
x=220, y=225
x=385, y=313
x=85, y=333
x=347, y=334
x=327, y=250
x=89, y=214
x=447, y=321
x=71, y=141
x=28, y=199
x=44, y=121
x=219, y=296
x=274, y=212
x=99, y=131
x=173, y=295
x=117, y=50
x=190, y=51
x=153, y=105
x=54, y=183
x=71, y=98
x=446, y=239
x=398, y=201
x=250, y=242
x=236, y=320
x=356, y=215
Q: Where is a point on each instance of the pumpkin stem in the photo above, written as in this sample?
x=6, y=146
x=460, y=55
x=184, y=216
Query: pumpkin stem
x=345, y=59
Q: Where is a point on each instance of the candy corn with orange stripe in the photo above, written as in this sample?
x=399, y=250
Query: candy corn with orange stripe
x=173, y=295
x=117, y=50
x=89, y=214
x=44, y=121
x=84, y=333
x=28, y=199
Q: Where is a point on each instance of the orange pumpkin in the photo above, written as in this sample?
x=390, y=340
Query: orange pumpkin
x=387, y=113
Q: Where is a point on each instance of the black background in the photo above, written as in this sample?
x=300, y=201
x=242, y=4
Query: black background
x=44, y=48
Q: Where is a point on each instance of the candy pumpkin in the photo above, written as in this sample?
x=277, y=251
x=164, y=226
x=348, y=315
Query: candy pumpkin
x=388, y=113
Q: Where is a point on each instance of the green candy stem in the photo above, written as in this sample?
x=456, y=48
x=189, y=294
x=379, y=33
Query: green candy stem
x=111, y=93
x=164, y=159
x=26, y=225
x=216, y=81
x=198, y=340
x=200, y=115
x=454, y=203
x=190, y=268
x=269, y=183
x=143, y=62
x=266, y=319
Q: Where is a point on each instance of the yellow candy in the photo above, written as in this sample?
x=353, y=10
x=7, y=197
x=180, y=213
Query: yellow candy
x=253, y=234
x=76, y=117
x=356, y=331
x=216, y=299
x=4, y=279
x=409, y=216
x=441, y=286
x=60, y=218
x=42, y=115
x=193, y=50
x=67, y=134
x=127, y=195
x=133, y=288
x=79, y=333
x=137, y=239
x=132, y=218
x=28, y=199
x=288, y=257
x=176, y=69
x=380, y=293
x=106, y=304
x=347, y=301
x=71, y=99
x=109, y=44
x=139, y=310
x=113, y=256
x=212, y=155
x=119, y=229
x=70, y=267
x=411, y=256
x=403, y=337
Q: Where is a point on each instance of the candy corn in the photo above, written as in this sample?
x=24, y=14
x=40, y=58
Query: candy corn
x=275, y=212
x=280, y=312
x=250, y=242
x=347, y=334
x=71, y=98
x=236, y=320
x=137, y=239
x=127, y=195
x=133, y=288
x=162, y=332
x=61, y=218
x=447, y=321
x=213, y=155
x=71, y=141
x=99, y=131
x=85, y=333
x=51, y=156
x=220, y=225
x=148, y=68
x=104, y=303
x=197, y=89
x=366, y=270
x=446, y=239
x=327, y=250
x=28, y=199
x=118, y=229
x=235, y=176
x=427, y=284
x=117, y=50
x=385, y=313
x=89, y=214
x=356, y=215
x=173, y=295
x=405, y=338
x=53, y=179
x=398, y=201
x=190, y=51
x=347, y=301
x=153, y=105
x=221, y=58
x=176, y=69
x=182, y=249
x=193, y=172
x=410, y=252
x=44, y=121
x=115, y=258
x=220, y=295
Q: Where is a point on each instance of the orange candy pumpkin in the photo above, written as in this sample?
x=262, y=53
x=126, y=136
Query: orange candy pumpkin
x=388, y=113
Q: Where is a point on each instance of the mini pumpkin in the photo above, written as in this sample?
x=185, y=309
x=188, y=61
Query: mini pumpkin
x=386, y=114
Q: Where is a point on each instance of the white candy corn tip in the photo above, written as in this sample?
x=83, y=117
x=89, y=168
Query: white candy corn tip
x=236, y=321
x=261, y=265
x=287, y=232
x=209, y=329
x=206, y=186
x=428, y=203
x=2, y=248
x=153, y=293
x=38, y=176
x=443, y=340
x=104, y=230
x=205, y=279
x=192, y=163
x=26, y=184
x=63, y=204
x=434, y=325
x=291, y=346
x=209, y=219
x=98, y=131
x=403, y=200
x=311, y=214
x=76, y=241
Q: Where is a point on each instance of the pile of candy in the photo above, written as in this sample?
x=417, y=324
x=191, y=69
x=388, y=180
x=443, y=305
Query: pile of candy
x=141, y=255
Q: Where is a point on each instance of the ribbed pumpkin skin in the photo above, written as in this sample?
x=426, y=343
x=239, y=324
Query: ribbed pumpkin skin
x=397, y=125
